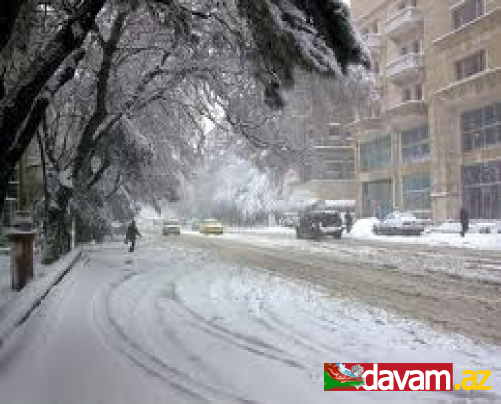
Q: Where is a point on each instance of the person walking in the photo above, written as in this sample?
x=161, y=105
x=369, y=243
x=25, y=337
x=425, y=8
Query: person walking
x=348, y=218
x=131, y=234
x=465, y=221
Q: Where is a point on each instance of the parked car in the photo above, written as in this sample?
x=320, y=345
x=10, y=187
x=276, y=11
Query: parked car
x=171, y=227
x=400, y=223
x=316, y=224
x=289, y=219
x=211, y=226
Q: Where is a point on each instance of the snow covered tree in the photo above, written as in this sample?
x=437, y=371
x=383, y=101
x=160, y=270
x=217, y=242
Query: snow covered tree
x=285, y=34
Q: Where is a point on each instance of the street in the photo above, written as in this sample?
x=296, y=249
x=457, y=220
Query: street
x=242, y=318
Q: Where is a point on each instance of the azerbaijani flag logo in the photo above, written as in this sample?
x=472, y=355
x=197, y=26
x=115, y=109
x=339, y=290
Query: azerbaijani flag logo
x=338, y=377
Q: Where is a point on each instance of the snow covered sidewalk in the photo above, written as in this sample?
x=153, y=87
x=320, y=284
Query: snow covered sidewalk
x=176, y=324
x=16, y=306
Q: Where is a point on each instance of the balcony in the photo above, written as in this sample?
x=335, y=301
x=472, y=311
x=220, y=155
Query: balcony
x=405, y=68
x=404, y=22
x=473, y=87
x=477, y=28
x=367, y=124
x=408, y=113
x=374, y=42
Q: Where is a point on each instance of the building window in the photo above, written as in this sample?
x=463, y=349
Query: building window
x=412, y=93
x=416, y=46
x=481, y=128
x=416, y=192
x=374, y=28
x=339, y=170
x=377, y=198
x=406, y=94
x=470, y=65
x=482, y=190
x=418, y=92
x=415, y=144
x=468, y=11
x=376, y=154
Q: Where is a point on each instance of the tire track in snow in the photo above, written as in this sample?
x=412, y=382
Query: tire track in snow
x=152, y=364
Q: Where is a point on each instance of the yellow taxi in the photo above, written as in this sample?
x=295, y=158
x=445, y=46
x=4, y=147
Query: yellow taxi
x=211, y=226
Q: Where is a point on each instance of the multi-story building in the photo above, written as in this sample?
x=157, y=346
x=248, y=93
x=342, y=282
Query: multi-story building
x=331, y=168
x=432, y=143
x=310, y=123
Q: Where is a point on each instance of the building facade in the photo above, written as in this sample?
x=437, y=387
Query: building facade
x=432, y=142
x=331, y=168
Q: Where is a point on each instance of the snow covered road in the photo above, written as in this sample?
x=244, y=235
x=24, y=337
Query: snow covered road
x=452, y=289
x=178, y=324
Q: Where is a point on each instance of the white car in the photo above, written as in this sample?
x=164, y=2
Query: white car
x=171, y=226
x=402, y=223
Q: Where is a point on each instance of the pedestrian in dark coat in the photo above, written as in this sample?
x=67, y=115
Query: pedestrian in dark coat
x=131, y=234
x=349, y=222
x=465, y=221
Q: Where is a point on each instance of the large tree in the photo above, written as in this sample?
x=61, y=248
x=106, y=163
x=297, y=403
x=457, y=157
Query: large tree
x=275, y=36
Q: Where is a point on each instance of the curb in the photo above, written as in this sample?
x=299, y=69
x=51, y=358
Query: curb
x=31, y=297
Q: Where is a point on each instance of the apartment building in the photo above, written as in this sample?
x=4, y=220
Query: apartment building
x=311, y=123
x=330, y=171
x=432, y=142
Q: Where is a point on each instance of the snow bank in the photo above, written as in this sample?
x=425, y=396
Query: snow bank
x=20, y=306
x=363, y=227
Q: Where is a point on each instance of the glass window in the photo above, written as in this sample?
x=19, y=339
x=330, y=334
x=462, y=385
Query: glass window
x=416, y=192
x=377, y=198
x=482, y=190
x=470, y=65
x=468, y=11
x=415, y=144
x=406, y=94
x=416, y=47
x=376, y=154
x=419, y=92
x=481, y=127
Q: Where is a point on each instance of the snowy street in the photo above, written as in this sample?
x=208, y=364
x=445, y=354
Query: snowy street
x=207, y=319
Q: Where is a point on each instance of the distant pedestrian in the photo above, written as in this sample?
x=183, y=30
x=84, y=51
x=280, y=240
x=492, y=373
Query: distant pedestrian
x=465, y=221
x=131, y=234
x=349, y=222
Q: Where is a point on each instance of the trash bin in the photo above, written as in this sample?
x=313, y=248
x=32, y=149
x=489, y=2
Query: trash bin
x=21, y=236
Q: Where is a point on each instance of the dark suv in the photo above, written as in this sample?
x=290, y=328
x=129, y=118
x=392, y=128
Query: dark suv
x=316, y=224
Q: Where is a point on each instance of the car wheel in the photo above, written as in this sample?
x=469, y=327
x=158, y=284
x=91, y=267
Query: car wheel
x=338, y=234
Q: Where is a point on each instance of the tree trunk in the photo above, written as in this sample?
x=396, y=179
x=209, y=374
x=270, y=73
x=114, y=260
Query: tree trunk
x=9, y=10
x=17, y=105
x=56, y=242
